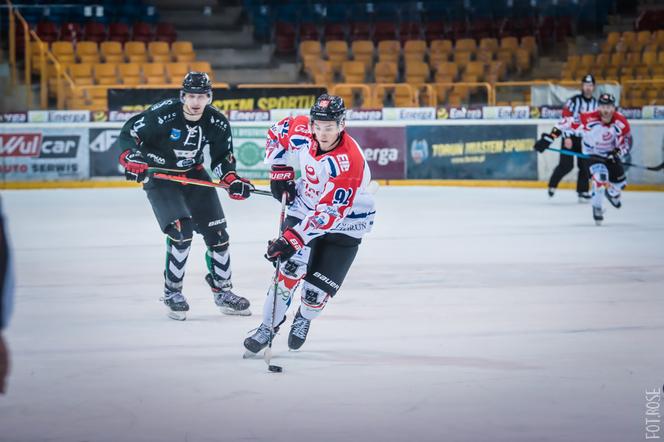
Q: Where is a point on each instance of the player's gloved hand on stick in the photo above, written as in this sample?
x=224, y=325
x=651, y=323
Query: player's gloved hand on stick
x=287, y=245
x=546, y=139
x=282, y=179
x=136, y=168
x=614, y=155
x=238, y=188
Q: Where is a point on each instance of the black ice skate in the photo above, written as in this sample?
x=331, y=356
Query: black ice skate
x=551, y=191
x=259, y=340
x=227, y=301
x=176, y=304
x=598, y=215
x=614, y=200
x=584, y=197
x=298, y=331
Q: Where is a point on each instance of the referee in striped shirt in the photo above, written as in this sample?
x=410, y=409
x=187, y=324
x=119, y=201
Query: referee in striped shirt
x=583, y=102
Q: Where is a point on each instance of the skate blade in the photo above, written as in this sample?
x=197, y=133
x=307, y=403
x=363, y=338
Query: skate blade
x=178, y=316
x=229, y=311
x=250, y=355
x=598, y=222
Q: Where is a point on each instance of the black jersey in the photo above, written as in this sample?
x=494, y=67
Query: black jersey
x=167, y=140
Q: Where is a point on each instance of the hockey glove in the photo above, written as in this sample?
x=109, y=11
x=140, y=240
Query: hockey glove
x=136, y=168
x=614, y=155
x=238, y=188
x=545, y=141
x=282, y=179
x=287, y=245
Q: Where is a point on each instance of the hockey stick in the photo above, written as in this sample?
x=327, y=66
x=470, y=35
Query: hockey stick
x=588, y=157
x=268, y=350
x=195, y=182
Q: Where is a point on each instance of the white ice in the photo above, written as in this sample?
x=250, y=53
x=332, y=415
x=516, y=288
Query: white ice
x=469, y=315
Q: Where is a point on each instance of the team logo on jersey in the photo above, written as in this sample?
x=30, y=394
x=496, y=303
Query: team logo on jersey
x=175, y=134
x=311, y=175
x=606, y=136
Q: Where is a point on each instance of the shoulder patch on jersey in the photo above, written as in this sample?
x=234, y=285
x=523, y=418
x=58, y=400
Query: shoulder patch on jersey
x=344, y=162
x=334, y=169
x=138, y=124
x=175, y=134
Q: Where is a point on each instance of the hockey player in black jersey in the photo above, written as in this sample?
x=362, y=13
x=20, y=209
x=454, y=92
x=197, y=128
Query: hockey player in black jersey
x=171, y=136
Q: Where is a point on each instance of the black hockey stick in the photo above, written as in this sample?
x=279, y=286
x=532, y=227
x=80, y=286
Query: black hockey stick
x=184, y=180
x=268, y=350
x=588, y=157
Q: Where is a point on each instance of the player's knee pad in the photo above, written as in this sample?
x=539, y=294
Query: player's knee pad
x=313, y=300
x=180, y=231
x=216, y=239
x=599, y=173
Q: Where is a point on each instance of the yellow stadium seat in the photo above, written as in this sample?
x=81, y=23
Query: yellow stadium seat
x=507, y=57
x=175, y=72
x=485, y=57
x=465, y=45
x=106, y=73
x=81, y=73
x=649, y=58
x=337, y=53
x=414, y=50
x=183, y=51
x=476, y=70
x=510, y=43
x=354, y=97
x=417, y=72
x=528, y=42
x=363, y=51
x=309, y=48
x=462, y=58
x=402, y=95
x=63, y=51
x=602, y=61
x=633, y=58
x=353, y=71
x=130, y=73
x=522, y=59
x=202, y=66
x=489, y=44
x=111, y=52
x=159, y=52
x=386, y=72
x=389, y=50
x=87, y=52
x=611, y=40
x=323, y=72
x=135, y=52
x=446, y=70
x=617, y=59
x=154, y=73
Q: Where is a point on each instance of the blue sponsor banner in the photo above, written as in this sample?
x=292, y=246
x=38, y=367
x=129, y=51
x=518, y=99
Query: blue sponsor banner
x=503, y=152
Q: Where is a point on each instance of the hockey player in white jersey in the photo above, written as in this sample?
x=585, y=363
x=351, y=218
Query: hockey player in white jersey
x=606, y=139
x=329, y=212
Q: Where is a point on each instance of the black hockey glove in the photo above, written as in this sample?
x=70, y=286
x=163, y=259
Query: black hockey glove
x=136, y=168
x=545, y=141
x=614, y=155
x=287, y=245
x=282, y=179
x=238, y=188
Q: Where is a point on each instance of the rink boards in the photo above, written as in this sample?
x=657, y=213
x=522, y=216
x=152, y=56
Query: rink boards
x=433, y=152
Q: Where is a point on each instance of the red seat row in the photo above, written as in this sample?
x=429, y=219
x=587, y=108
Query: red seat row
x=97, y=32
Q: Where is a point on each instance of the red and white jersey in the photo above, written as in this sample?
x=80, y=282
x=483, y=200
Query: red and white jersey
x=600, y=138
x=332, y=192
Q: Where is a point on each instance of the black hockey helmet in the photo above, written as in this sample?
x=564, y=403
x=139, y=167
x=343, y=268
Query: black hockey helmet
x=197, y=83
x=328, y=108
x=588, y=78
x=607, y=98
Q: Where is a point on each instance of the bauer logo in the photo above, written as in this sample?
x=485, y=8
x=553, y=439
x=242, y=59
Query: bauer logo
x=20, y=145
x=59, y=147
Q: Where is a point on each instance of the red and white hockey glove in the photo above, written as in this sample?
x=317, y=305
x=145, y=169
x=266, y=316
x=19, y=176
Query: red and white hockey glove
x=282, y=179
x=287, y=245
x=136, y=168
x=238, y=188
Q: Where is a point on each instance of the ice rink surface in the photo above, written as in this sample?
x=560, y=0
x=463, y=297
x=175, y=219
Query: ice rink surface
x=469, y=315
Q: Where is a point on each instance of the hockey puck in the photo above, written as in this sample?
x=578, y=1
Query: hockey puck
x=275, y=368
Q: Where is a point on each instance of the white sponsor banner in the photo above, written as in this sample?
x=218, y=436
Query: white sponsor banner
x=409, y=113
x=44, y=154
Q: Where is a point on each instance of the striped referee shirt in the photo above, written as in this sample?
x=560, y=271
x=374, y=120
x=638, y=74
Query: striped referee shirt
x=577, y=105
